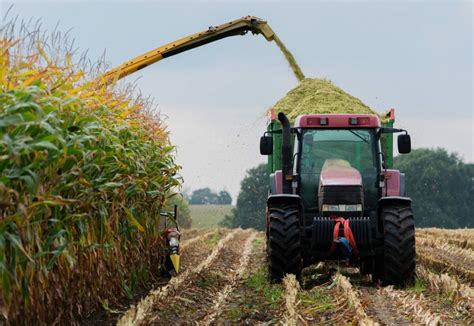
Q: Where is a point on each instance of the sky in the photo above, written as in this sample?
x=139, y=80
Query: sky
x=414, y=56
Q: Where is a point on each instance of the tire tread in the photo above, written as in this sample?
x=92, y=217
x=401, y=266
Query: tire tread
x=283, y=244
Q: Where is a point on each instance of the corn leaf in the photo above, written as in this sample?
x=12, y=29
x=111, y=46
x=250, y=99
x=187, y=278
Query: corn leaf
x=133, y=220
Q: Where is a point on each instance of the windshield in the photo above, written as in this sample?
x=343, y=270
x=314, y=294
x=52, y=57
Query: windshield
x=354, y=147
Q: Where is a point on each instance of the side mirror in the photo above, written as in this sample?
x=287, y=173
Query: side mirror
x=266, y=145
x=404, y=144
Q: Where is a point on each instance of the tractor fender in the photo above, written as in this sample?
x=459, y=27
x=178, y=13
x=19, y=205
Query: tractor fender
x=283, y=199
x=394, y=200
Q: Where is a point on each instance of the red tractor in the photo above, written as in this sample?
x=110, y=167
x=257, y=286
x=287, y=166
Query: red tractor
x=332, y=197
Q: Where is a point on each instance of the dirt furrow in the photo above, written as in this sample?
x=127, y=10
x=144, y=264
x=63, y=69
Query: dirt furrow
x=110, y=315
x=194, y=299
x=226, y=283
x=381, y=310
x=368, y=299
x=417, y=304
x=188, y=241
x=445, y=300
x=360, y=315
x=413, y=307
x=320, y=301
x=254, y=300
x=234, y=277
x=202, y=259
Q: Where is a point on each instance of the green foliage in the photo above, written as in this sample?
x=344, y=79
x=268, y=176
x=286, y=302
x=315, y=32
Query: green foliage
x=205, y=196
x=251, y=202
x=184, y=214
x=213, y=240
x=71, y=180
x=419, y=287
x=84, y=173
x=224, y=198
x=441, y=187
x=259, y=283
x=316, y=300
x=439, y=183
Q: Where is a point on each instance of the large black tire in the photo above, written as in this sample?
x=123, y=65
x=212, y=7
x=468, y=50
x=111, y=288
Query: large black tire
x=283, y=243
x=398, y=263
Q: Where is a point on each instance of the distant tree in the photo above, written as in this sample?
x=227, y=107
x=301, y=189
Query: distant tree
x=441, y=187
x=225, y=198
x=206, y=196
x=249, y=211
x=203, y=196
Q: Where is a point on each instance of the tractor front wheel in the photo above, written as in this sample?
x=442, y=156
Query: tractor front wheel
x=283, y=243
x=398, y=263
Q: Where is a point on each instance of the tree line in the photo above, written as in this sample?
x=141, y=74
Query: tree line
x=205, y=196
x=440, y=184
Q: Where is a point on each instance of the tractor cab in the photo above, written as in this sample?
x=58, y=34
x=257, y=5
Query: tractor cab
x=334, y=189
x=337, y=163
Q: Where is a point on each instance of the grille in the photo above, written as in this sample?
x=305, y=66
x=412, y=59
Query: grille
x=323, y=228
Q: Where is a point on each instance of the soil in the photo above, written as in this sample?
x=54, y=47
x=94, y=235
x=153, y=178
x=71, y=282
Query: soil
x=193, y=301
x=111, y=315
x=231, y=287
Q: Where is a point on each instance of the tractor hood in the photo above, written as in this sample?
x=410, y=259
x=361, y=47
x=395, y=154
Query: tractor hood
x=339, y=173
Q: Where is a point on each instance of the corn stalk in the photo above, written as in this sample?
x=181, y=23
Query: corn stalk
x=84, y=172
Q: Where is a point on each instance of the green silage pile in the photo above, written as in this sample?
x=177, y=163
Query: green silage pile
x=317, y=96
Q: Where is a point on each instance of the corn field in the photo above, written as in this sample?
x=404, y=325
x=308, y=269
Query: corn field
x=84, y=172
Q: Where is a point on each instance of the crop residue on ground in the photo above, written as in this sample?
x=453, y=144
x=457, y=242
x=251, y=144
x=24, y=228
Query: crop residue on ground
x=224, y=282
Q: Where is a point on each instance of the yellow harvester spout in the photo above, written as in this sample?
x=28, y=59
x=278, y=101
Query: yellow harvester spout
x=214, y=33
x=175, y=261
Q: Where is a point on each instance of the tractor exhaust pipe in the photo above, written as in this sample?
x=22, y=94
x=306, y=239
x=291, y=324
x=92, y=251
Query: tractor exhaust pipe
x=286, y=155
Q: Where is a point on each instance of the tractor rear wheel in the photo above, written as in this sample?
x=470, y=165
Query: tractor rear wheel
x=397, y=266
x=283, y=243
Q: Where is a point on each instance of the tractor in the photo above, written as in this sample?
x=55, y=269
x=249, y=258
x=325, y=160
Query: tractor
x=334, y=196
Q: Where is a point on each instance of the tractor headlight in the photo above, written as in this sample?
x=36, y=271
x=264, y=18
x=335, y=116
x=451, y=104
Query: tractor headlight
x=330, y=208
x=342, y=208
